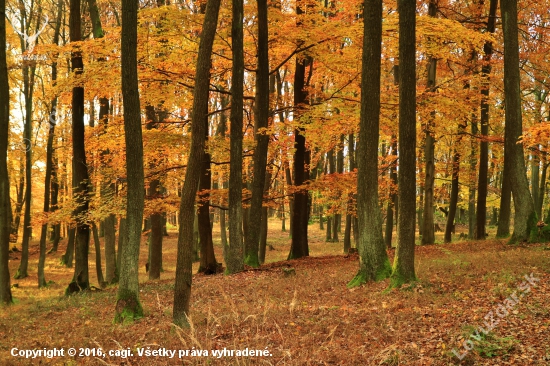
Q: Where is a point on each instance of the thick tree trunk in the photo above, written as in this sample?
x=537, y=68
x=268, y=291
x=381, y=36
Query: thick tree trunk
x=235, y=252
x=525, y=219
x=403, y=268
x=128, y=306
x=184, y=275
x=373, y=259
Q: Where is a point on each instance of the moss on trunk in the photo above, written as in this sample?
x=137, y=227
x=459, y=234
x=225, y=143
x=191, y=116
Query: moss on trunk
x=128, y=307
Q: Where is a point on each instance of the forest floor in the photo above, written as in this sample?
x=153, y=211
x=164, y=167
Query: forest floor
x=306, y=318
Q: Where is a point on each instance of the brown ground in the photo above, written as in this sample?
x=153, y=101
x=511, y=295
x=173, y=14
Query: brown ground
x=309, y=318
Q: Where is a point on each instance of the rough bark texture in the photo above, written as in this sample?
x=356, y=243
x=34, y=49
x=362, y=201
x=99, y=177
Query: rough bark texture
x=525, y=219
x=482, y=184
x=182, y=289
x=5, y=207
x=262, y=140
x=235, y=252
x=374, y=264
x=128, y=306
x=403, y=267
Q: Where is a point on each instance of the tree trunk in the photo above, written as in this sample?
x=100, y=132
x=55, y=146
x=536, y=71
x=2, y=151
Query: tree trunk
x=262, y=140
x=67, y=258
x=525, y=219
x=97, y=246
x=5, y=204
x=128, y=306
x=393, y=195
x=503, y=228
x=81, y=279
x=403, y=268
x=299, y=224
x=454, y=194
x=184, y=275
x=208, y=263
x=482, y=185
x=235, y=252
x=428, y=235
x=373, y=259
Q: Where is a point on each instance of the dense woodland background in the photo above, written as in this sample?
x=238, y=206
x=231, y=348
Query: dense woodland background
x=379, y=122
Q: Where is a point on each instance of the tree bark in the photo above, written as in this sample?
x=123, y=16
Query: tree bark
x=299, y=223
x=482, y=185
x=81, y=279
x=373, y=259
x=235, y=252
x=128, y=306
x=182, y=289
x=393, y=195
x=525, y=219
x=262, y=140
x=5, y=204
x=403, y=267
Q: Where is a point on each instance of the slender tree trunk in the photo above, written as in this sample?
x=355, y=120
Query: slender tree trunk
x=5, y=204
x=403, y=267
x=482, y=185
x=262, y=139
x=128, y=306
x=97, y=246
x=49, y=157
x=81, y=279
x=525, y=219
x=184, y=275
x=373, y=259
x=208, y=263
x=503, y=228
x=454, y=192
x=350, y=208
x=67, y=258
x=393, y=195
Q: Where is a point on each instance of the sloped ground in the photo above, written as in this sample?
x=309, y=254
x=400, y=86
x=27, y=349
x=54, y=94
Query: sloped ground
x=306, y=317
